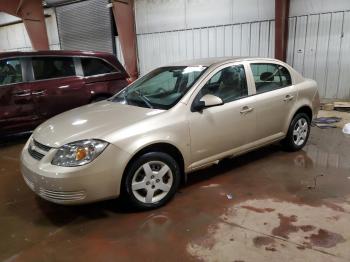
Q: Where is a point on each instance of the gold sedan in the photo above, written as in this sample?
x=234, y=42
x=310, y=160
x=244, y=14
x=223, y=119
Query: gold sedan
x=176, y=119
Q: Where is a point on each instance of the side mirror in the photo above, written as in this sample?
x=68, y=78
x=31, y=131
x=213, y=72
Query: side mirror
x=208, y=100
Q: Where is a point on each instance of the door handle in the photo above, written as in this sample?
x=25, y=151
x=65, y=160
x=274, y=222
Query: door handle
x=288, y=98
x=246, y=109
x=22, y=93
x=41, y=92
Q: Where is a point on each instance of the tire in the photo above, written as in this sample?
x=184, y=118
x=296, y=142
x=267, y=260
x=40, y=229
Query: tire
x=142, y=186
x=295, y=139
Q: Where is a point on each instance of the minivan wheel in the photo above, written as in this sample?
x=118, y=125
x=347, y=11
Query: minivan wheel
x=152, y=180
x=298, y=133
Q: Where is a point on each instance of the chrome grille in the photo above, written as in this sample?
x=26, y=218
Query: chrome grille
x=35, y=154
x=41, y=146
x=61, y=195
x=37, y=150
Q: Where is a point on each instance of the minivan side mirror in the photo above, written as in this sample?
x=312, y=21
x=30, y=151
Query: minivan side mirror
x=206, y=101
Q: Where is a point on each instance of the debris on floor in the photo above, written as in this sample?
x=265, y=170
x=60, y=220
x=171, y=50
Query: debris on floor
x=326, y=122
x=229, y=196
x=342, y=106
x=346, y=129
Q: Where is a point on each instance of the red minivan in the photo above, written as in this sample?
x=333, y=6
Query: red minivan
x=35, y=86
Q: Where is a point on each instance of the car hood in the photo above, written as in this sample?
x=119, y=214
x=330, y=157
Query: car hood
x=91, y=121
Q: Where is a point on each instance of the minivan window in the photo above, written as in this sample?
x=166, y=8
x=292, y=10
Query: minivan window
x=95, y=66
x=162, y=88
x=52, y=67
x=269, y=77
x=10, y=71
x=229, y=84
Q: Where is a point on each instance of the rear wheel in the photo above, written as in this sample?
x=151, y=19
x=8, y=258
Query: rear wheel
x=152, y=180
x=298, y=133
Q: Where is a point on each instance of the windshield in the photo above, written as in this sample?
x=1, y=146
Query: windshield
x=162, y=88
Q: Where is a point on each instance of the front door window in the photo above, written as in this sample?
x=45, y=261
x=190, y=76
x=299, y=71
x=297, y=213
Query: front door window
x=10, y=72
x=229, y=84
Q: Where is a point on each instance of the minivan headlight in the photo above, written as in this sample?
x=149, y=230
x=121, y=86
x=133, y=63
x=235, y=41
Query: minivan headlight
x=78, y=153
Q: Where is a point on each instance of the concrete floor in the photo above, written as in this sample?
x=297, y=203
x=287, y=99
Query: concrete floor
x=268, y=205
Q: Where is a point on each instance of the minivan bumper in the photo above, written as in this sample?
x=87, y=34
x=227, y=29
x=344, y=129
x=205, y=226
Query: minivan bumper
x=96, y=181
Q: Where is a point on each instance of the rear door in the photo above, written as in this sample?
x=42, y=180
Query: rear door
x=55, y=85
x=17, y=110
x=101, y=78
x=274, y=99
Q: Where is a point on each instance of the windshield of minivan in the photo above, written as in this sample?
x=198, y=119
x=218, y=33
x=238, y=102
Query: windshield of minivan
x=162, y=88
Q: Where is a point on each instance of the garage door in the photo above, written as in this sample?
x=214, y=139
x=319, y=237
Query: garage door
x=319, y=48
x=85, y=25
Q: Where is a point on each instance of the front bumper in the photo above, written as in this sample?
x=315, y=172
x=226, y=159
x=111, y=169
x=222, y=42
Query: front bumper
x=95, y=181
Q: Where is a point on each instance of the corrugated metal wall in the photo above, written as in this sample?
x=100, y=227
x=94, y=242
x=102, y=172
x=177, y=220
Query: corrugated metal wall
x=319, y=48
x=85, y=25
x=248, y=39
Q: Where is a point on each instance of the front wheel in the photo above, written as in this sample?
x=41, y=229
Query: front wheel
x=298, y=133
x=151, y=180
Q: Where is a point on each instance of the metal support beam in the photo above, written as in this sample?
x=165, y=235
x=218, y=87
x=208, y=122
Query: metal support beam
x=32, y=14
x=123, y=11
x=281, y=28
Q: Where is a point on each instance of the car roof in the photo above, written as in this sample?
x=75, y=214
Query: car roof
x=53, y=52
x=220, y=60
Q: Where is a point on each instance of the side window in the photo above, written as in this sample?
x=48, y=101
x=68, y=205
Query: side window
x=52, y=67
x=10, y=71
x=96, y=66
x=229, y=84
x=269, y=77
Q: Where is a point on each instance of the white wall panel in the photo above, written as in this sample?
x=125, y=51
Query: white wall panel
x=311, y=46
x=307, y=7
x=154, y=16
x=159, y=15
x=248, y=39
x=319, y=48
x=14, y=37
x=201, y=13
x=333, y=58
x=344, y=76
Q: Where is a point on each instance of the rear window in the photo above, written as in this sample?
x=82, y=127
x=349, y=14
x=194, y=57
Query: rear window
x=52, y=67
x=96, y=66
x=269, y=77
x=10, y=71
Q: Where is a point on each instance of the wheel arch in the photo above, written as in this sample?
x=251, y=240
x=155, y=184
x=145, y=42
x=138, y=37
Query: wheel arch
x=163, y=147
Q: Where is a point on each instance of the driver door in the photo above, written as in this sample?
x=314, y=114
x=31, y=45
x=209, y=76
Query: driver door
x=221, y=131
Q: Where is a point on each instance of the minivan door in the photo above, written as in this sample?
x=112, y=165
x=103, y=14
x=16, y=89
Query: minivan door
x=17, y=109
x=101, y=78
x=55, y=86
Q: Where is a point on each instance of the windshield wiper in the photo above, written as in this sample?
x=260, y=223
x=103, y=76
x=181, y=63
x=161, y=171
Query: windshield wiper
x=140, y=95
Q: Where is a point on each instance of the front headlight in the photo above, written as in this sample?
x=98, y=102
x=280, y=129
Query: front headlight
x=79, y=153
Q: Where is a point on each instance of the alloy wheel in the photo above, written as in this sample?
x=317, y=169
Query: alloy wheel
x=152, y=182
x=300, y=131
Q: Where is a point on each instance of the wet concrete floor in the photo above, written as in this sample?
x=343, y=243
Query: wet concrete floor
x=268, y=205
